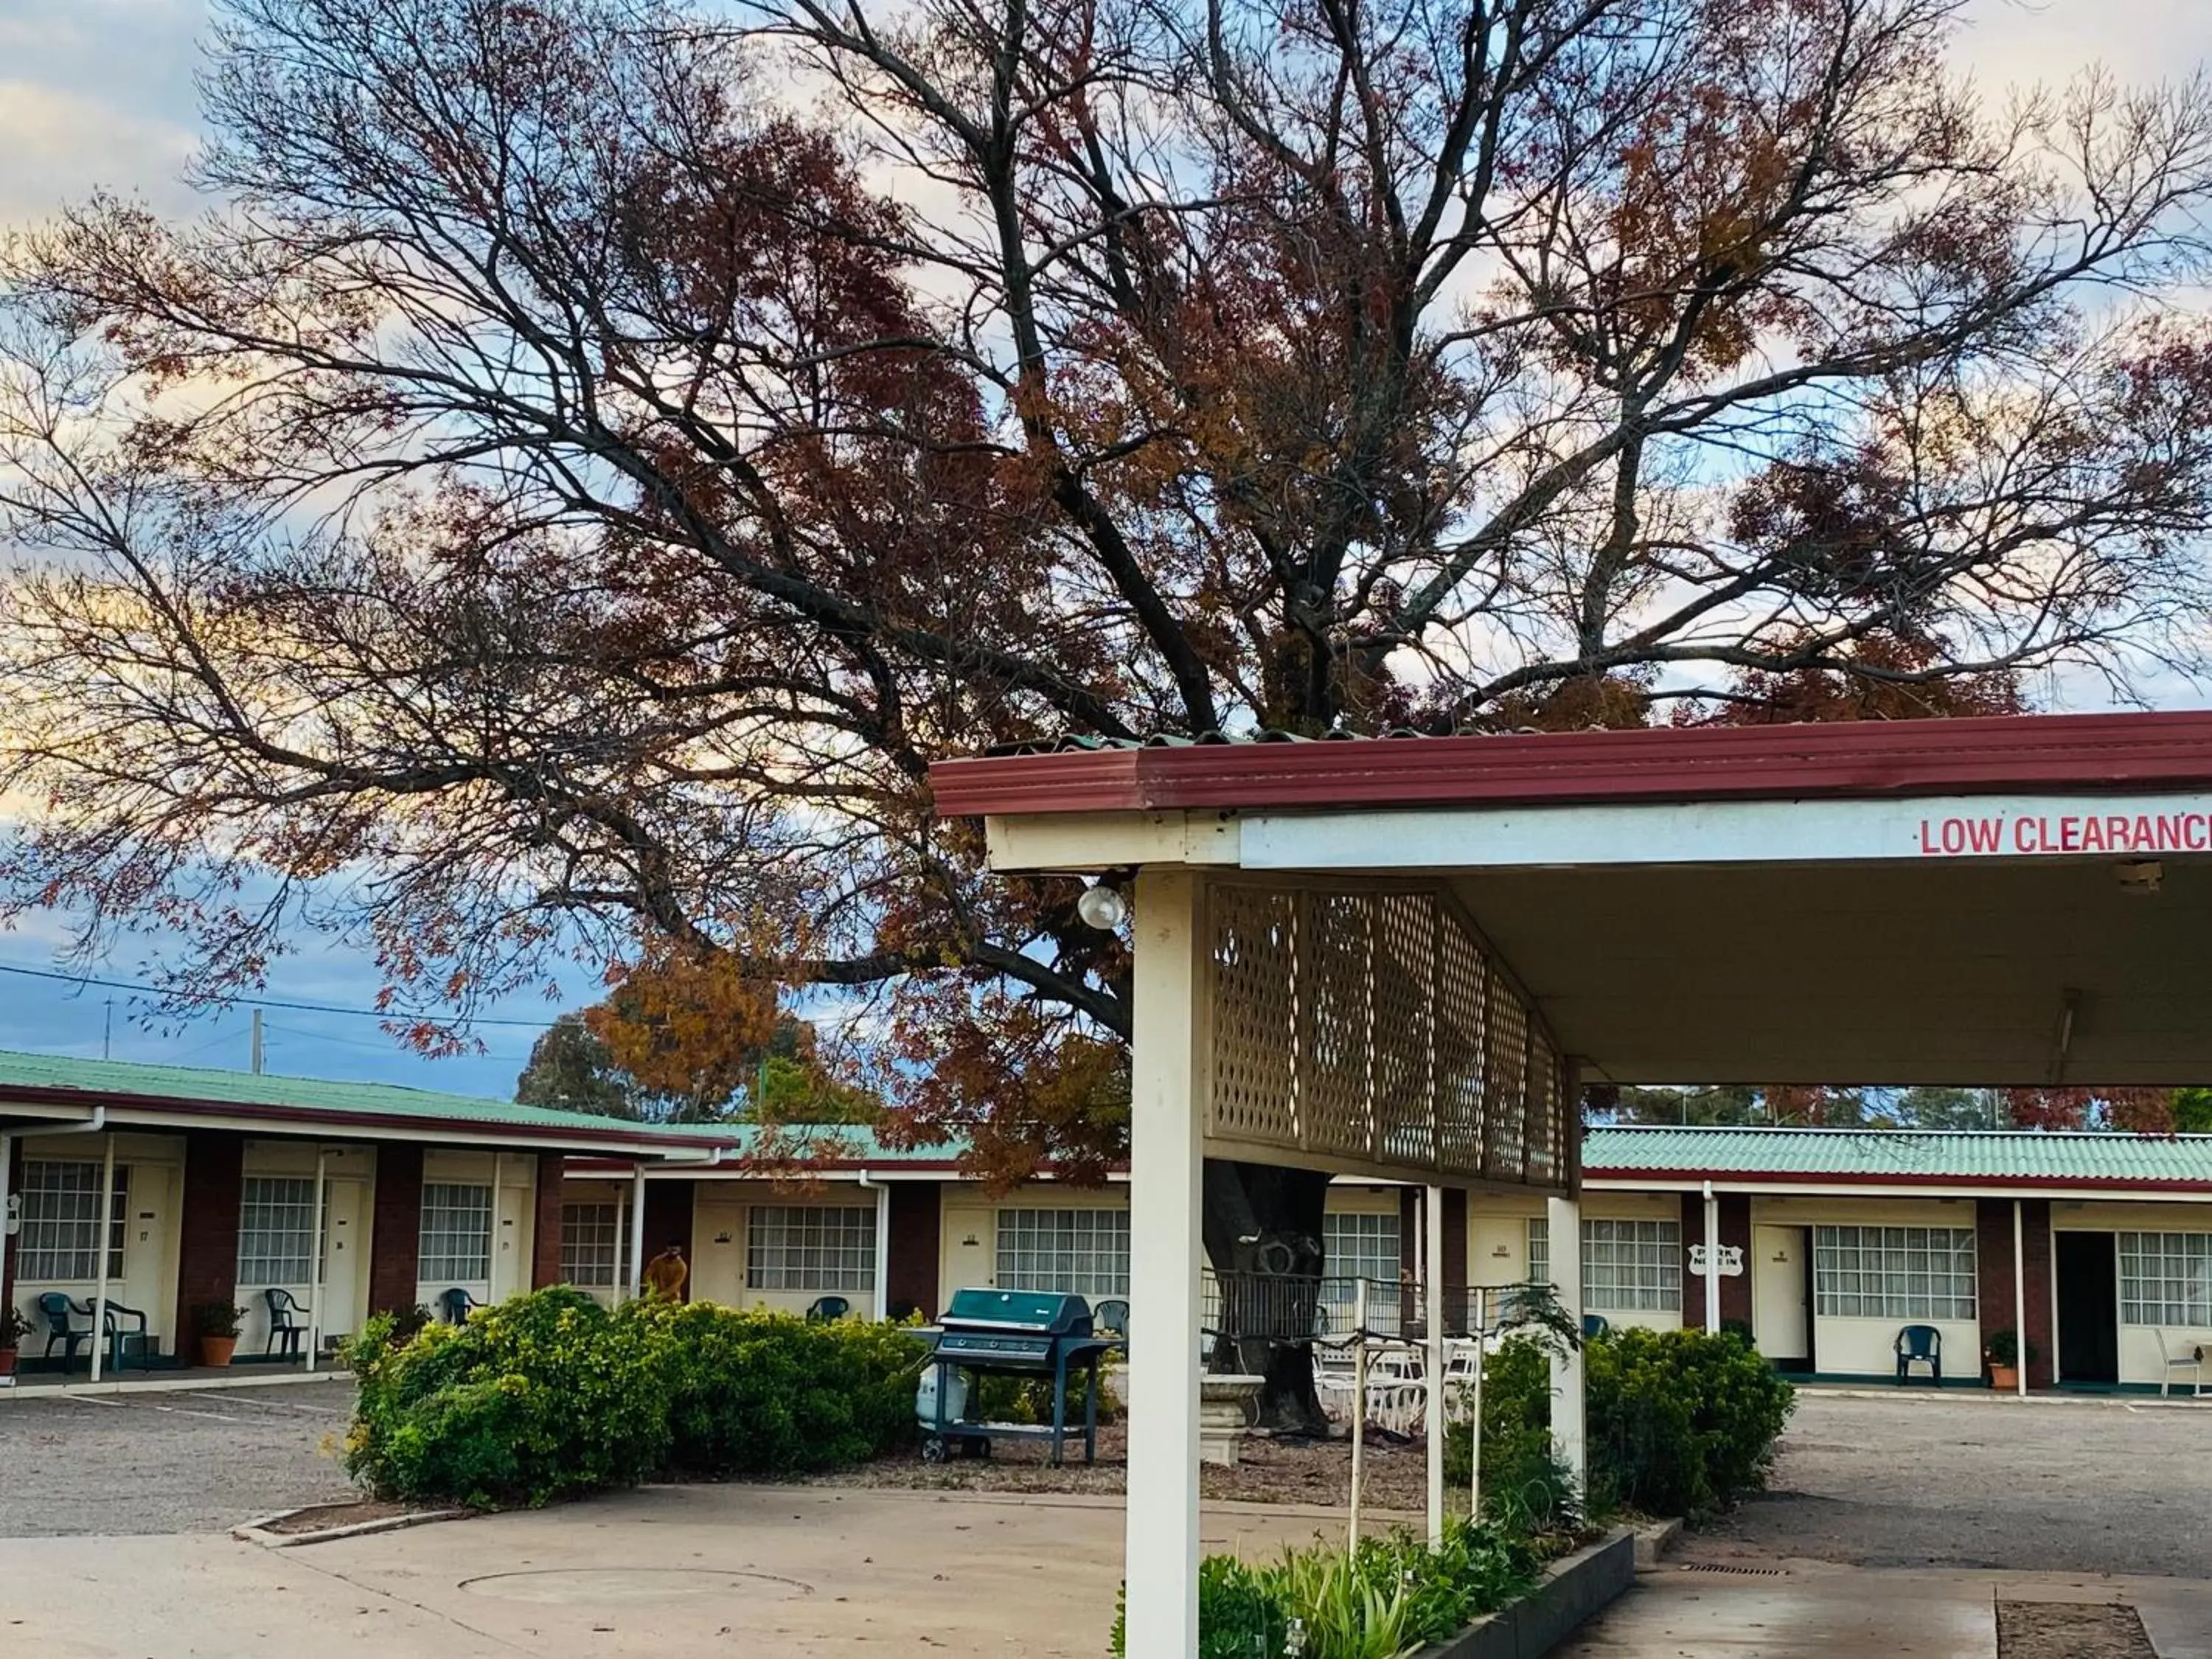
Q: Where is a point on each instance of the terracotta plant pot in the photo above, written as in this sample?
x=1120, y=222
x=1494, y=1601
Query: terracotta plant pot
x=2004, y=1378
x=217, y=1350
x=7, y=1362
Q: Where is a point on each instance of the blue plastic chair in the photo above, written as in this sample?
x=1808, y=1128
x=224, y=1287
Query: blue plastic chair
x=58, y=1311
x=112, y=1326
x=286, y=1325
x=1920, y=1344
x=1111, y=1317
x=1594, y=1325
x=826, y=1308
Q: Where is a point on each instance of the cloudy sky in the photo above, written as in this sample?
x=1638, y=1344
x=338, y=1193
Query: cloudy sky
x=99, y=94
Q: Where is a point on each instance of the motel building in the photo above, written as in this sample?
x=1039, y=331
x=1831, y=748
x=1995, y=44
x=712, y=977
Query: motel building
x=1840, y=1239
x=1398, y=959
x=151, y=1190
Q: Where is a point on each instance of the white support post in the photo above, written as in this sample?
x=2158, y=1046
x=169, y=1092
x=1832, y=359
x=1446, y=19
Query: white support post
x=1169, y=1080
x=882, y=1309
x=1358, y=1405
x=106, y=1230
x=637, y=1232
x=315, y=1255
x=1565, y=1220
x=7, y=1235
x=1712, y=1262
x=2019, y=1299
x=498, y=1244
x=1432, y=1210
x=1476, y=1325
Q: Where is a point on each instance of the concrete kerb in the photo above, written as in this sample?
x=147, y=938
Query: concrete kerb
x=1942, y=1397
x=259, y=1530
x=205, y=1384
x=1653, y=1539
x=1573, y=1589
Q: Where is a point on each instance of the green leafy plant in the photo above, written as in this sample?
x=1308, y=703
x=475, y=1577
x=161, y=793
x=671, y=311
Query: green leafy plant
x=1679, y=1423
x=1391, y=1597
x=549, y=1395
x=216, y=1319
x=14, y=1327
x=2003, y=1349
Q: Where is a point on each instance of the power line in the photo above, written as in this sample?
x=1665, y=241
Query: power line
x=219, y=1000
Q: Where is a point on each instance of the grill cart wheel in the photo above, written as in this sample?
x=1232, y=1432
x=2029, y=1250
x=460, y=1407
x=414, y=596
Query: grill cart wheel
x=934, y=1449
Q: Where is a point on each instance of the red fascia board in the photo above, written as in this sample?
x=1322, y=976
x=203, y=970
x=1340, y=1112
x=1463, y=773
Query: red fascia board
x=2042, y=752
x=1892, y=1178
x=455, y=1129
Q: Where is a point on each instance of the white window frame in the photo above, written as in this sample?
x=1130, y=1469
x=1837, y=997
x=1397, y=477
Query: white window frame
x=2166, y=1280
x=811, y=1247
x=275, y=1230
x=60, y=1218
x=1629, y=1265
x=1081, y=1251
x=449, y=1250
x=1925, y=1274
x=594, y=1244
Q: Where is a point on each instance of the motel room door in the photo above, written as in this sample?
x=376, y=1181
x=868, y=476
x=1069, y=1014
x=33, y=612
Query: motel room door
x=1782, y=1291
x=2088, y=1307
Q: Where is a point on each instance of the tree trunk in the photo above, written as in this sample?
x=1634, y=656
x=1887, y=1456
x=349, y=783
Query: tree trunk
x=1263, y=1223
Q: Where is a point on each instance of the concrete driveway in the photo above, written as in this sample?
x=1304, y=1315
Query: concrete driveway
x=758, y=1572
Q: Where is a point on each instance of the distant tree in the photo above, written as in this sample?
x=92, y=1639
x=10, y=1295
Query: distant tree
x=571, y=1068
x=1929, y=1107
x=2192, y=1111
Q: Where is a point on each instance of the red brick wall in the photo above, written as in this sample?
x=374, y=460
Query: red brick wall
x=1735, y=1229
x=393, y=1258
x=207, y=1254
x=668, y=1221
x=1454, y=1257
x=545, y=1233
x=1993, y=1281
x=916, y=1223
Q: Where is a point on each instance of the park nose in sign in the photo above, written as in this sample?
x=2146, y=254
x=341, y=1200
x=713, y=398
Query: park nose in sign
x=1729, y=1264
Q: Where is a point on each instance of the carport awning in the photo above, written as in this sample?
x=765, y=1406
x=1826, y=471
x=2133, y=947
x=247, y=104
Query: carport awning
x=1945, y=903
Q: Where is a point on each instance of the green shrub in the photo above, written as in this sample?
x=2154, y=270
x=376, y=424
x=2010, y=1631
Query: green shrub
x=1028, y=1400
x=765, y=1394
x=1679, y=1423
x=549, y=1395
x=532, y=1400
x=1392, y=1594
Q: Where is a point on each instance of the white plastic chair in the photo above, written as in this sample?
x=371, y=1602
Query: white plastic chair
x=2189, y=1360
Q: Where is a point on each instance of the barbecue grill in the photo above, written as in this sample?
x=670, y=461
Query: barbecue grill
x=1009, y=1334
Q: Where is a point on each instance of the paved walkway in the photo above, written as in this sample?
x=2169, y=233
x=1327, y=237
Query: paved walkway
x=763, y=1572
x=1816, y=1610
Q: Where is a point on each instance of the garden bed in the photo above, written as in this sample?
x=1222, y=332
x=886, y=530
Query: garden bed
x=1574, y=1589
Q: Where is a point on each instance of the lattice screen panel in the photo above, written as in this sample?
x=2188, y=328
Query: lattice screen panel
x=1368, y=1030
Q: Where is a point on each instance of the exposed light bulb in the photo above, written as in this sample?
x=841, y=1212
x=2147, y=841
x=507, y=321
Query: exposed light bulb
x=1102, y=907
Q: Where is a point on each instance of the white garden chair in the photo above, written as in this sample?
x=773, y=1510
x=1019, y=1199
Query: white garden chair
x=2189, y=1357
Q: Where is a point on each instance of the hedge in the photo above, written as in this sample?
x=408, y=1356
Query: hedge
x=549, y=1395
x=1679, y=1423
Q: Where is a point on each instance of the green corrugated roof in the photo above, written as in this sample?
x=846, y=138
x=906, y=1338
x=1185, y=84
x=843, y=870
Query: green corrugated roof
x=197, y=1086
x=1911, y=1155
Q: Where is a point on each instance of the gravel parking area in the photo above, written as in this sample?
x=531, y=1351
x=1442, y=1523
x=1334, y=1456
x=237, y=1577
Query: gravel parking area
x=199, y=1461
x=2056, y=1485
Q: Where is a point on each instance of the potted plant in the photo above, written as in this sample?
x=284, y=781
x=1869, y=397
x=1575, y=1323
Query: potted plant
x=14, y=1327
x=217, y=1325
x=2003, y=1353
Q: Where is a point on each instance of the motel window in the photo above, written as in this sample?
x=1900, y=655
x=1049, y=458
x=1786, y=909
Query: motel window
x=1628, y=1266
x=275, y=1230
x=811, y=1247
x=2166, y=1279
x=59, y=1240
x=1085, y=1252
x=1893, y=1273
x=594, y=1248
x=455, y=1240
x=1356, y=1247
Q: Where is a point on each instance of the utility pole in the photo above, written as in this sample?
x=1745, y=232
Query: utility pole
x=256, y=1042
x=106, y=1027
